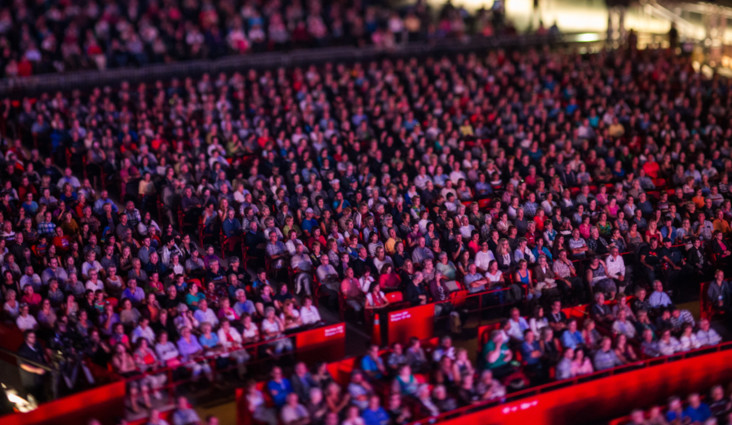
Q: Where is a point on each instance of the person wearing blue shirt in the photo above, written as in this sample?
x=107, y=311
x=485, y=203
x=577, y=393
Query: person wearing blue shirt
x=675, y=409
x=571, y=338
x=30, y=206
x=231, y=226
x=243, y=305
x=531, y=350
x=605, y=357
x=372, y=364
x=133, y=292
x=374, y=414
x=309, y=222
x=279, y=387
x=696, y=411
x=208, y=339
x=668, y=230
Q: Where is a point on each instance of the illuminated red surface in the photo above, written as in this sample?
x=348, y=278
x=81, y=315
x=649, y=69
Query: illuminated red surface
x=610, y=397
x=416, y=321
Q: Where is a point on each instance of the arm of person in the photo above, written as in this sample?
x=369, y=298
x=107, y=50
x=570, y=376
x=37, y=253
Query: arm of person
x=493, y=355
x=32, y=369
x=643, y=261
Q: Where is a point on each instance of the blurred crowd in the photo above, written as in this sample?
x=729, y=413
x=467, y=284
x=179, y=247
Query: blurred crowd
x=169, y=223
x=57, y=36
x=699, y=409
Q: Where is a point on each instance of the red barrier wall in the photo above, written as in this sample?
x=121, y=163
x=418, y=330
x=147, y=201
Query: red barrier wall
x=105, y=403
x=416, y=321
x=607, y=398
x=327, y=343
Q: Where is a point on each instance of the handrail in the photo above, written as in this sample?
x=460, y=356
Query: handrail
x=25, y=360
x=463, y=295
x=573, y=381
x=23, y=86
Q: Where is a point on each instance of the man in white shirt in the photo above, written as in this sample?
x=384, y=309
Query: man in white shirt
x=205, y=314
x=231, y=343
x=484, y=257
x=293, y=412
x=309, y=314
x=706, y=335
x=517, y=325
x=30, y=278
x=26, y=321
x=623, y=326
x=659, y=298
x=615, y=267
x=143, y=330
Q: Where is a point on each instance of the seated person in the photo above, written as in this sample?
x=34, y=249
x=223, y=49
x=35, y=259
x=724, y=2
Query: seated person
x=497, y=355
x=601, y=313
x=517, y=325
x=667, y=344
x=623, y=326
x=706, y=335
x=279, y=388
x=372, y=364
x=605, y=357
x=597, y=278
x=659, y=299
x=572, y=337
x=649, y=347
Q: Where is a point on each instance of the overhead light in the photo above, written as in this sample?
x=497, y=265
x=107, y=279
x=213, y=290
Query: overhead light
x=587, y=37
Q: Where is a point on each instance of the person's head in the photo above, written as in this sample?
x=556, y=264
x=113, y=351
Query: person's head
x=674, y=404
x=529, y=336
x=621, y=340
x=694, y=400
x=515, y=314
x=622, y=314
x=657, y=286
x=569, y=353
x=717, y=393
x=637, y=417
x=647, y=335
x=666, y=334
x=704, y=325
x=30, y=338
x=301, y=369
x=719, y=275
x=606, y=343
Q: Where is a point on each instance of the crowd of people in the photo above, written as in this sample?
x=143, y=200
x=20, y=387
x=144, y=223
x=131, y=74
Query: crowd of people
x=58, y=36
x=150, y=226
x=413, y=383
x=182, y=414
x=406, y=383
x=702, y=410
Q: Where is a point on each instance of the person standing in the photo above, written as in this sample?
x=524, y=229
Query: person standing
x=32, y=375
